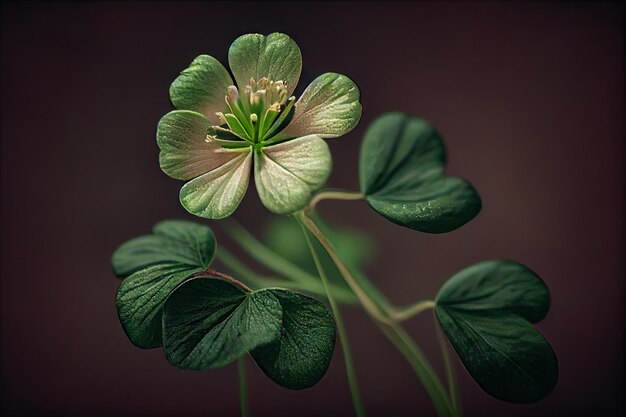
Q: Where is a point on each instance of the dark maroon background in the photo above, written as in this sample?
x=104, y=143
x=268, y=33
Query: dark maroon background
x=527, y=96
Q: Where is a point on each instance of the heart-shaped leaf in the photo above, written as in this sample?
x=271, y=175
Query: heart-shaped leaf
x=155, y=265
x=401, y=174
x=302, y=354
x=208, y=323
x=487, y=311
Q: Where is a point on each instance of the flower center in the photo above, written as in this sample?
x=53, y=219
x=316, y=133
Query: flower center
x=257, y=114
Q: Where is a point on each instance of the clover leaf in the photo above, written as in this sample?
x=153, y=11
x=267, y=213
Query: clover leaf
x=401, y=175
x=487, y=311
x=221, y=128
x=209, y=322
x=205, y=319
x=302, y=354
x=153, y=265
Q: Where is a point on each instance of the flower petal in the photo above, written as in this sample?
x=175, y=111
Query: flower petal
x=328, y=108
x=217, y=193
x=275, y=56
x=202, y=87
x=288, y=173
x=185, y=154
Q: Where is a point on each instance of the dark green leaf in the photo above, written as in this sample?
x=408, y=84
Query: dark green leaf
x=140, y=300
x=302, y=354
x=497, y=286
x=155, y=265
x=208, y=323
x=401, y=174
x=486, y=312
x=172, y=241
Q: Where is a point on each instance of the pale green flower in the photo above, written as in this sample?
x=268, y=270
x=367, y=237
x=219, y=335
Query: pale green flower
x=222, y=128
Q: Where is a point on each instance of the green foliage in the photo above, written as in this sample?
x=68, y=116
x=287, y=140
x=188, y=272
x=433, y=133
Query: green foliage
x=355, y=247
x=221, y=132
x=171, y=242
x=208, y=323
x=300, y=357
x=487, y=311
x=154, y=265
x=401, y=174
x=205, y=320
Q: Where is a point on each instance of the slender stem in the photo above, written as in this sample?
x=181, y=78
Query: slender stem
x=243, y=272
x=371, y=301
x=429, y=379
x=243, y=387
x=334, y=195
x=216, y=274
x=448, y=367
x=359, y=409
x=264, y=255
x=412, y=310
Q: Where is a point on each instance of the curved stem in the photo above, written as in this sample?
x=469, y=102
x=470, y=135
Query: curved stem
x=448, y=366
x=334, y=195
x=359, y=409
x=412, y=310
x=246, y=274
x=216, y=274
x=243, y=387
x=264, y=255
x=371, y=301
x=429, y=379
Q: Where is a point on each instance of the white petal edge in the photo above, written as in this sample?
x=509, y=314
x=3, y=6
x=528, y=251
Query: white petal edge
x=185, y=154
x=287, y=174
x=328, y=108
x=216, y=194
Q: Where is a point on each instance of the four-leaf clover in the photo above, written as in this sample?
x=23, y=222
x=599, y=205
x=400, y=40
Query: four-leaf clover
x=221, y=126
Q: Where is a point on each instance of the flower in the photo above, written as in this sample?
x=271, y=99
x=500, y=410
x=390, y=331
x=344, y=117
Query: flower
x=220, y=127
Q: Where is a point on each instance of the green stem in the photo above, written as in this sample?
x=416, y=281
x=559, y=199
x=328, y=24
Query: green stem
x=264, y=255
x=359, y=409
x=429, y=379
x=243, y=387
x=334, y=195
x=373, y=303
x=448, y=367
x=246, y=274
x=412, y=310
x=216, y=274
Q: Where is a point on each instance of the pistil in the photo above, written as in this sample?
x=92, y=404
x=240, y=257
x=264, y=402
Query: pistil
x=256, y=114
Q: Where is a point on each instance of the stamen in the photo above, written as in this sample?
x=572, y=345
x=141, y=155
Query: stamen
x=233, y=93
x=255, y=107
x=275, y=107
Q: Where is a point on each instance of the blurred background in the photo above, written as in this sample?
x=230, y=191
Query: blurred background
x=528, y=98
